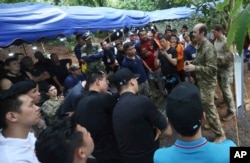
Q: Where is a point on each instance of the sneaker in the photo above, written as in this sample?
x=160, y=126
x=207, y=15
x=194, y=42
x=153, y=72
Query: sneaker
x=219, y=139
x=228, y=117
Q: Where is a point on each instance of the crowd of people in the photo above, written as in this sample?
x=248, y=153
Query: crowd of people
x=103, y=109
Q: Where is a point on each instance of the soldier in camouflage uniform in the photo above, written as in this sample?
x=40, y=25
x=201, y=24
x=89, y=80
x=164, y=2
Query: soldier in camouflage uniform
x=51, y=105
x=224, y=70
x=92, y=55
x=205, y=67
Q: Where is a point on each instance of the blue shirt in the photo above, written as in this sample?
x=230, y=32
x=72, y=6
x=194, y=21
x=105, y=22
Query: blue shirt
x=199, y=151
x=189, y=53
x=72, y=99
x=136, y=66
x=71, y=81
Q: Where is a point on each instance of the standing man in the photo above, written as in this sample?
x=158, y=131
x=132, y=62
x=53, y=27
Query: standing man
x=205, y=67
x=92, y=54
x=147, y=49
x=168, y=59
x=136, y=120
x=94, y=111
x=135, y=64
x=78, y=48
x=190, y=54
x=120, y=52
x=108, y=57
x=225, y=70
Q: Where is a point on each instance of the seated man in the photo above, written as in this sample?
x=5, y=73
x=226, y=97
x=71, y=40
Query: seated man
x=185, y=113
x=13, y=74
x=64, y=141
x=17, y=114
x=75, y=77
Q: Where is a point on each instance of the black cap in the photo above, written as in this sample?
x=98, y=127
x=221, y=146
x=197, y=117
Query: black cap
x=122, y=76
x=184, y=108
x=18, y=88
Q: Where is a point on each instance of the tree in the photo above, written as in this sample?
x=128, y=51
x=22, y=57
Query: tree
x=239, y=22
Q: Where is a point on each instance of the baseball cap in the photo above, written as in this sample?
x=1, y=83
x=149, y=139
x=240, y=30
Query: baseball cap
x=86, y=36
x=23, y=87
x=184, y=108
x=118, y=43
x=130, y=33
x=74, y=67
x=122, y=76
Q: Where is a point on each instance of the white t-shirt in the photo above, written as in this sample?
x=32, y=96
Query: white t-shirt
x=15, y=150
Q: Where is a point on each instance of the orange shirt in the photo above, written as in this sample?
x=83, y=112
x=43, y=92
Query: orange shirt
x=180, y=57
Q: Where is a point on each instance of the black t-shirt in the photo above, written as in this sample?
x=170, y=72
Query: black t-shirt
x=16, y=78
x=134, y=119
x=94, y=112
x=37, y=71
x=108, y=56
x=120, y=56
x=61, y=70
x=167, y=68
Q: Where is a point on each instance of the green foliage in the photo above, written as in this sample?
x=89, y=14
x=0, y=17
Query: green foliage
x=239, y=28
x=222, y=5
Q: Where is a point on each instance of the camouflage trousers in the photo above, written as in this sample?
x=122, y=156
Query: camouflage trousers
x=224, y=81
x=207, y=97
x=144, y=89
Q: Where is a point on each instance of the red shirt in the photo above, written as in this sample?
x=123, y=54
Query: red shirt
x=147, y=51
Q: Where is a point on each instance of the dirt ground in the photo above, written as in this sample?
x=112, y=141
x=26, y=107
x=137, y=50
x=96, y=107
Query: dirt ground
x=238, y=129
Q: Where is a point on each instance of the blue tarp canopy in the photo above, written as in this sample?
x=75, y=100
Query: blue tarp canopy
x=31, y=22
x=170, y=14
x=84, y=18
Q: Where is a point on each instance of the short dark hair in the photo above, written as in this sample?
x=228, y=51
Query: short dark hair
x=101, y=43
x=161, y=36
x=127, y=45
x=17, y=54
x=78, y=36
x=168, y=26
x=174, y=30
x=175, y=36
x=9, y=101
x=93, y=76
x=118, y=43
x=168, y=30
x=185, y=27
x=9, y=60
x=218, y=27
x=203, y=28
x=58, y=142
x=191, y=35
x=140, y=31
x=52, y=55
